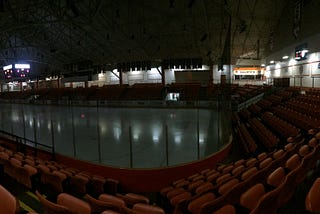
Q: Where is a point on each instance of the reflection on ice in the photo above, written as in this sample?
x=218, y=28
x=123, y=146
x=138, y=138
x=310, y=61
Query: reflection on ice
x=78, y=131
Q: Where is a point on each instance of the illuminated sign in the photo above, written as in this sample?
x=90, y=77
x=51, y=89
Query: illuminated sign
x=16, y=71
x=301, y=52
x=248, y=71
x=22, y=66
x=8, y=67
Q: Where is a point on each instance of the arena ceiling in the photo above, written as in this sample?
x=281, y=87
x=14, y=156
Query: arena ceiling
x=106, y=32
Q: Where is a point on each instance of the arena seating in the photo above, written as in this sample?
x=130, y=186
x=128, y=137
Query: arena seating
x=280, y=139
x=312, y=203
x=8, y=203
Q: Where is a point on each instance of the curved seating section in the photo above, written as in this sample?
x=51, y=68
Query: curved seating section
x=245, y=92
x=77, y=191
x=33, y=171
x=279, y=153
x=138, y=91
x=281, y=146
x=265, y=124
x=270, y=177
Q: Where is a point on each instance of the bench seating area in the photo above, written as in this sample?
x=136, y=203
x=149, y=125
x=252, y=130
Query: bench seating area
x=138, y=91
x=73, y=191
x=280, y=140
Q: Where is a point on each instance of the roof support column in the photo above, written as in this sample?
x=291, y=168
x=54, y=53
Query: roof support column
x=120, y=76
x=163, y=75
x=210, y=74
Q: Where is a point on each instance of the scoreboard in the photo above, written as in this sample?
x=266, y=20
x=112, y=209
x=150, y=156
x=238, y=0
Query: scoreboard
x=16, y=71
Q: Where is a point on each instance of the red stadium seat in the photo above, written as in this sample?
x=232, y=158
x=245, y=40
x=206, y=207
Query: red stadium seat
x=312, y=200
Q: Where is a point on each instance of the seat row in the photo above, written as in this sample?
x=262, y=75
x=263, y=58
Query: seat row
x=32, y=171
x=304, y=108
x=215, y=183
x=265, y=136
x=105, y=204
x=264, y=104
x=281, y=127
x=100, y=193
x=273, y=190
x=9, y=204
x=254, y=109
x=300, y=120
x=244, y=137
x=313, y=91
x=258, y=199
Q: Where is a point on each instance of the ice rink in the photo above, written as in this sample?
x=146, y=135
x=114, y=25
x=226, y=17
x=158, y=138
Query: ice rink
x=122, y=137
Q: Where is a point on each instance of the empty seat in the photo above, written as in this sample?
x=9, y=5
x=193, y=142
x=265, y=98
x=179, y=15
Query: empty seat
x=99, y=206
x=312, y=200
x=278, y=154
x=132, y=198
x=75, y=205
x=26, y=175
x=174, y=192
x=175, y=183
x=248, y=173
x=192, y=186
x=110, y=212
x=204, y=187
x=97, y=185
x=227, y=169
x=43, y=169
x=56, y=180
x=205, y=171
x=293, y=162
x=262, y=156
x=276, y=177
x=226, y=209
x=8, y=203
x=251, y=162
x=289, y=147
x=164, y=191
x=111, y=186
x=147, y=209
x=191, y=177
x=182, y=183
x=12, y=167
x=212, y=177
x=78, y=184
x=112, y=199
x=239, y=162
x=304, y=150
x=179, y=198
x=221, y=167
x=268, y=203
x=223, y=178
x=194, y=205
x=250, y=198
x=266, y=162
x=50, y=207
x=313, y=142
x=226, y=187
x=238, y=170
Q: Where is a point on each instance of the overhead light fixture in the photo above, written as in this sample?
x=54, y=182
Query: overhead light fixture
x=263, y=65
x=285, y=57
x=272, y=62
